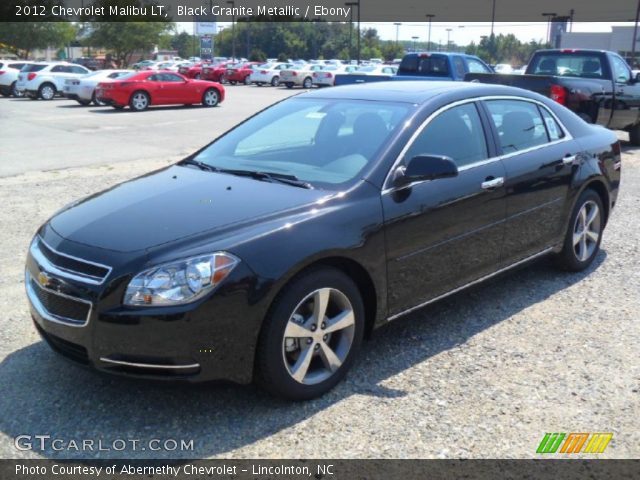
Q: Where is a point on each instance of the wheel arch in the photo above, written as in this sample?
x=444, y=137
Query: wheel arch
x=599, y=186
x=143, y=91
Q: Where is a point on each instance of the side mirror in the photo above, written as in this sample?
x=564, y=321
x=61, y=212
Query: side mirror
x=425, y=167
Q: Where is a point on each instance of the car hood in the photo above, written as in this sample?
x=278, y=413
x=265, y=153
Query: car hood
x=175, y=203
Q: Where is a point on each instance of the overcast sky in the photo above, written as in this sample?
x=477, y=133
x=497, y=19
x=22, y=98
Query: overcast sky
x=461, y=35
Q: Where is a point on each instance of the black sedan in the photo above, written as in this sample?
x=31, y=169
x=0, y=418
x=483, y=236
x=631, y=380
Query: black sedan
x=272, y=252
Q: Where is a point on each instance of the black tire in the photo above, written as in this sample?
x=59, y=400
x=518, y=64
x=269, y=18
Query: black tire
x=211, y=97
x=307, y=83
x=275, y=81
x=15, y=92
x=84, y=103
x=136, y=102
x=47, y=91
x=570, y=257
x=5, y=93
x=634, y=135
x=272, y=372
x=97, y=102
x=289, y=85
x=259, y=84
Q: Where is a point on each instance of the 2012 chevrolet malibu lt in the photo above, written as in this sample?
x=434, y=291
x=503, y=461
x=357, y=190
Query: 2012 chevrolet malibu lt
x=272, y=252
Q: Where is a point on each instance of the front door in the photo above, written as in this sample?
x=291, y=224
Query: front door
x=444, y=233
x=627, y=95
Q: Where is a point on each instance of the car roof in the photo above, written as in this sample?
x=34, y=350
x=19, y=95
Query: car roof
x=417, y=92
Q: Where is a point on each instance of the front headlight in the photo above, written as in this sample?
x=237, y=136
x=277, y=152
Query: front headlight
x=179, y=282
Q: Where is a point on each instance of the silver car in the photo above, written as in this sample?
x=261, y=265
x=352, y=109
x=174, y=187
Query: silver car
x=83, y=89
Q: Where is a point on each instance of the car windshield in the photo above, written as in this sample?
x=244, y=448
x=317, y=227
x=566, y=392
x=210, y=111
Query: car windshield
x=324, y=142
x=568, y=65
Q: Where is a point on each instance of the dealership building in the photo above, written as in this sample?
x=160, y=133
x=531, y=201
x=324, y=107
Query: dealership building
x=619, y=40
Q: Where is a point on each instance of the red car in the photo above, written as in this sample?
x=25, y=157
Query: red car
x=240, y=72
x=193, y=71
x=141, y=89
x=216, y=73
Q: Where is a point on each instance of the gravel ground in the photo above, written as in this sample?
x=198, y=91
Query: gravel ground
x=482, y=374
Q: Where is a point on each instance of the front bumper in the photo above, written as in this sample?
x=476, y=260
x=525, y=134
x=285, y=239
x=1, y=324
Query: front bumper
x=212, y=339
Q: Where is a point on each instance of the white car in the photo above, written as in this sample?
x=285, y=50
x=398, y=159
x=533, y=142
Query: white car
x=83, y=89
x=378, y=69
x=269, y=73
x=504, y=68
x=9, y=71
x=327, y=76
x=45, y=80
x=299, y=75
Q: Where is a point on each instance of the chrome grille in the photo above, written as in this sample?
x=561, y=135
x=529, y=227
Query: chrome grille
x=67, y=265
x=57, y=307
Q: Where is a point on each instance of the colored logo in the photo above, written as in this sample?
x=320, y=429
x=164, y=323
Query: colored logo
x=44, y=279
x=574, y=442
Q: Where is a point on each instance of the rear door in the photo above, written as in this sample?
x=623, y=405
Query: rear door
x=444, y=233
x=627, y=94
x=540, y=158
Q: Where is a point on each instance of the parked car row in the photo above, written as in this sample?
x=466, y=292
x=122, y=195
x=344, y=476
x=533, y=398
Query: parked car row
x=137, y=89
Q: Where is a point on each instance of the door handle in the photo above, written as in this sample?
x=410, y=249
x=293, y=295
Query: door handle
x=492, y=183
x=569, y=159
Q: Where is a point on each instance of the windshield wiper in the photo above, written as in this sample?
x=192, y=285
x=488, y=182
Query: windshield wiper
x=268, y=176
x=201, y=165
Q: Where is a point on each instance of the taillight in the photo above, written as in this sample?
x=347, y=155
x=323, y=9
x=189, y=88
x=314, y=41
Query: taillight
x=559, y=94
x=31, y=76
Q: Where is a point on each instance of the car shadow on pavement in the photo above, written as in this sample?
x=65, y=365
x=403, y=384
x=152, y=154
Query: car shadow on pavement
x=43, y=394
x=152, y=108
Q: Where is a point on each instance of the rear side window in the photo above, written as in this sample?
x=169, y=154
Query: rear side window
x=568, y=65
x=519, y=124
x=60, y=69
x=432, y=65
x=553, y=128
x=78, y=70
x=32, y=68
x=17, y=66
x=456, y=133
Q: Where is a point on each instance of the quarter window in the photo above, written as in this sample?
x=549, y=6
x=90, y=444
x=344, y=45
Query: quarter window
x=519, y=124
x=456, y=133
x=553, y=129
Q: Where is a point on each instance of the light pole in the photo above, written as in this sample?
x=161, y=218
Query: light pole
x=397, y=24
x=448, y=36
x=233, y=28
x=549, y=16
x=414, y=38
x=351, y=5
x=635, y=36
x=429, y=17
x=493, y=16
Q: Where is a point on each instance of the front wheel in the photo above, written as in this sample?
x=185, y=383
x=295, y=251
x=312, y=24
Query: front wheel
x=275, y=81
x=97, y=102
x=210, y=98
x=47, y=91
x=311, y=335
x=139, y=101
x=583, y=237
x=307, y=83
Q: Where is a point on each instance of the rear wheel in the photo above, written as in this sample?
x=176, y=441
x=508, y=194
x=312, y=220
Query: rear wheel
x=289, y=84
x=210, y=98
x=634, y=135
x=275, y=81
x=97, y=102
x=307, y=83
x=311, y=335
x=582, y=240
x=139, y=101
x=47, y=91
x=15, y=92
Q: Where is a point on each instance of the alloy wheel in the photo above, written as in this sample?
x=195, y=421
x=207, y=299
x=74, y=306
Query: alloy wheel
x=47, y=92
x=211, y=98
x=140, y=101
x=586, y=231
x=318, y=336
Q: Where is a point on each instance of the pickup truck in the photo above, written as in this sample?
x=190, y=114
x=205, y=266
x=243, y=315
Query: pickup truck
x=597, y=85
x=424, y=66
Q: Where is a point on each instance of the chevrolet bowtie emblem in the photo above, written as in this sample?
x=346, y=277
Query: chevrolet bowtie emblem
x=44, y=279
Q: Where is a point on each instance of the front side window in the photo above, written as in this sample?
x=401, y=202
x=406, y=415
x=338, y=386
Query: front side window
x=476, y=66
x=171, y=77
x=621, y=72
x=519, y=124
x=321, y=141
x=456, y=133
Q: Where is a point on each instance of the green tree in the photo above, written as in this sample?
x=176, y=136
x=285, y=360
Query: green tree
x=22, y=38
x=122, y=39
